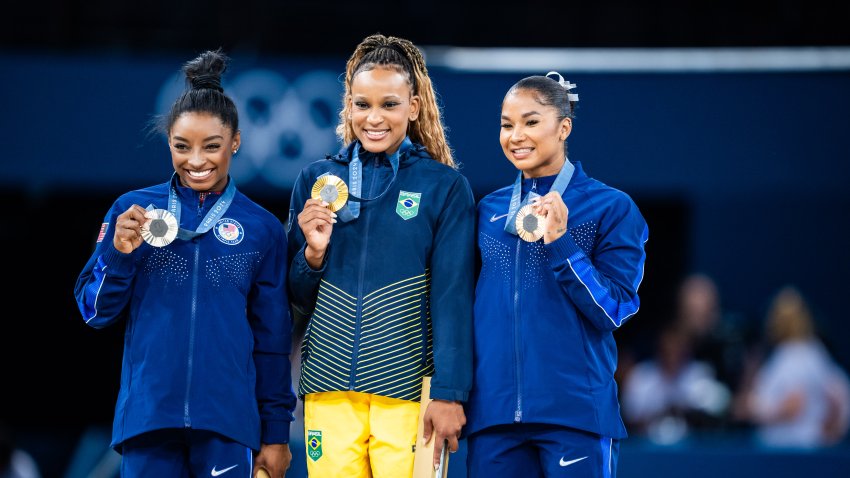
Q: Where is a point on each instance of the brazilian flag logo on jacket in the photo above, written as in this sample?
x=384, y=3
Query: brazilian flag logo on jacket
x=314, y=444
x=408, y=204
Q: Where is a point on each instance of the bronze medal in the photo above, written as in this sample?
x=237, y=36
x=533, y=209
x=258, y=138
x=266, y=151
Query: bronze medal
x=529, y=225
x=332, y=190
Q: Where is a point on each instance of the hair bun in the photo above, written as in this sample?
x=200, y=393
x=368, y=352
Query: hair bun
x=207, y=81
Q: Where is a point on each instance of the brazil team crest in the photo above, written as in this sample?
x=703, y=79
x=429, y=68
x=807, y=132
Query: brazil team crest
x=408, y=204
x=314, y=444
x=229, y=231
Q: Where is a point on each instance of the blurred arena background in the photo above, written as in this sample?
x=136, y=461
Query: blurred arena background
x=727, y=122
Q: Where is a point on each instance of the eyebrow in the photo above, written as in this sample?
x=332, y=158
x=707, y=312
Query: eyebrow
x=209, y=138
x=386, y=97
x=524, y=115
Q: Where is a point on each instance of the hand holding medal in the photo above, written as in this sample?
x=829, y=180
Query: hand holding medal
x=128, y=234
x=316, y=220
x=552, y=216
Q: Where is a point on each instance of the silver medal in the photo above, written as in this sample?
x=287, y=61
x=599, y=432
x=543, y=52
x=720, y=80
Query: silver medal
x=160, y=228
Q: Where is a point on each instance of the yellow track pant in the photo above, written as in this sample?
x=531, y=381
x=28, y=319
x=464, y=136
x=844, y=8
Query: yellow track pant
x=359, y=435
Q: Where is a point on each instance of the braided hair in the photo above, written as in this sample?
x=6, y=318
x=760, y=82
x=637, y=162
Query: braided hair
x=404, y=57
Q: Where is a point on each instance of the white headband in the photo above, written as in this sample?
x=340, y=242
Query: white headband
x=566, y=84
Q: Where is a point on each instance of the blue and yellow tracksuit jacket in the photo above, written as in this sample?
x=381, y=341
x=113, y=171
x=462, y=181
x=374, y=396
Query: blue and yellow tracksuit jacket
x=393, y=300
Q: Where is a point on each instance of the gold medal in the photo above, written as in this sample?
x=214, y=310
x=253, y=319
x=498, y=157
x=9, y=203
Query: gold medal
x=160, y=228
x=332, y=190
x=529, y=225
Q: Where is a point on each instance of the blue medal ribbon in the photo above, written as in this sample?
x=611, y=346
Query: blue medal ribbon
x=212, y=216
x=351, y=210
x=560, y=185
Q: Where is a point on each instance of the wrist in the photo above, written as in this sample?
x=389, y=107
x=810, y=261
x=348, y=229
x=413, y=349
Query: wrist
x=314, y=257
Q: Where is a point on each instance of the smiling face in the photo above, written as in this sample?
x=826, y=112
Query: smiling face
x=382, y=105
x=201, y=148
x=532, y=136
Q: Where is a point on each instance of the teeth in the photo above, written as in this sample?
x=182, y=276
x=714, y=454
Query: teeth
x=200, y=174
x=522, y=150
x=376, y=134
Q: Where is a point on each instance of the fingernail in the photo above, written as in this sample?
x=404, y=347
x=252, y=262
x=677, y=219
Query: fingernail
x=436, y=465
x=324, y=204
x=333, y=214
x=333, y=221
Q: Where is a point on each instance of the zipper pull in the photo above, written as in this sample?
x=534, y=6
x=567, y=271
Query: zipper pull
x=533, y=192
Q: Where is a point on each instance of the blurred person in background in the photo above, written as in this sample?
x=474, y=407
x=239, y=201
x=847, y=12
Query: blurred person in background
x=667, y=397
x=717, y=336
x=799, y=397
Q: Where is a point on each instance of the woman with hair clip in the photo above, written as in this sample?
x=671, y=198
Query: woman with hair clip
x=562, y=257
x=197, y=271
x=385, y=277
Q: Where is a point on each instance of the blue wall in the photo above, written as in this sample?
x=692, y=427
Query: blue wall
x=754, y=166
x=759, y=160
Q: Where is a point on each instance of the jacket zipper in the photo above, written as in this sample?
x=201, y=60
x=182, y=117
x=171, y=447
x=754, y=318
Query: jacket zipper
x=517, y=328
x=517, y=355
x=187, y=421
x=365, y=216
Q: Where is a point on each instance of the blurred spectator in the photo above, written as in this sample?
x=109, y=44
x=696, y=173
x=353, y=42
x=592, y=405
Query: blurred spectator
x=15, y=462
x=664, y=398
x=717, y=335
x=799, y=397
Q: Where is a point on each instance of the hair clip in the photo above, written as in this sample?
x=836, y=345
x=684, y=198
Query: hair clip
x=566, y=84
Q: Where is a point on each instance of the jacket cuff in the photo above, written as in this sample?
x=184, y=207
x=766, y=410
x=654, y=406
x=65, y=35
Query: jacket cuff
x=119, y=264
x=274, y=432
x=564, y=247
x=304, y=267
x=448, y=394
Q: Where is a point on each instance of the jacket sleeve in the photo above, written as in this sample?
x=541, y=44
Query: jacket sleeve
x=303, y=280
x=268, y=314
x=105, y=285
x=604, y=288
x=452, y=269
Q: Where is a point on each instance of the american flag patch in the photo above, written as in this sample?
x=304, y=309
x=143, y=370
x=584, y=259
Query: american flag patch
x=103, y=228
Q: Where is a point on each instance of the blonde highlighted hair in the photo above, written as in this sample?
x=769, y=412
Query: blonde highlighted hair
x=403, y=56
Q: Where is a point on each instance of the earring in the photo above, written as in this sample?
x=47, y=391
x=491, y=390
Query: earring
x=235, y=150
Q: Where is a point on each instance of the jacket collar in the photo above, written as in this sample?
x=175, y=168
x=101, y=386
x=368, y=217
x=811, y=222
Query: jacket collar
x=406, y=158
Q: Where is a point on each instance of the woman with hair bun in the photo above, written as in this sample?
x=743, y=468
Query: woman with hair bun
x=196, y=271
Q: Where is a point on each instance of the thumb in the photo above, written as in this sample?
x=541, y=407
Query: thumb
x=427, y=430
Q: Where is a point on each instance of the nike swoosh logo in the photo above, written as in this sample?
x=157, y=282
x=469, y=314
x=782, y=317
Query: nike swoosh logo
x=568, y=463
x=215, y=472
x=496, y=218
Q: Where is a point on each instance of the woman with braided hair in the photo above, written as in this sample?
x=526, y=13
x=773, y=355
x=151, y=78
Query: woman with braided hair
x=196, y=272
x=385, y=277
